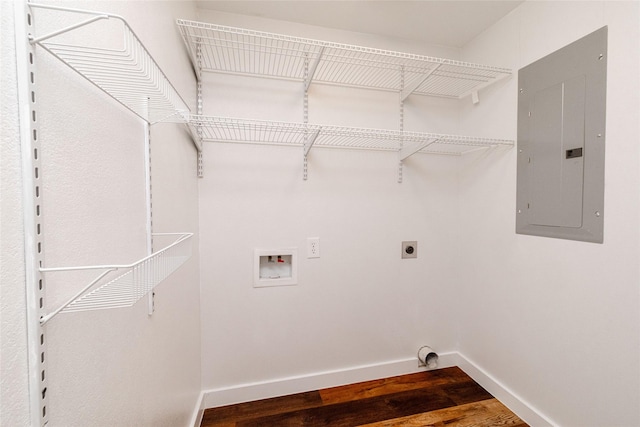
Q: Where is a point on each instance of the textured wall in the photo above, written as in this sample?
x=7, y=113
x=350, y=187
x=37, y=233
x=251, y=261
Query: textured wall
x=110, y=367
x=14, y=399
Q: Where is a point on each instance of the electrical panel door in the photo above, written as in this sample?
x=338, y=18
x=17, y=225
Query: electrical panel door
x=561, y=124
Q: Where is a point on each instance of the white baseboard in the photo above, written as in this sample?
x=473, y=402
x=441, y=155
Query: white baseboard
x=299, y=384
x=510, y=399
x=198, y=412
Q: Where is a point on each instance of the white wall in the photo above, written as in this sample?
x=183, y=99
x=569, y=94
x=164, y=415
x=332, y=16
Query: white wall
x=359, y=304
x=555, y=321
x=109, y=367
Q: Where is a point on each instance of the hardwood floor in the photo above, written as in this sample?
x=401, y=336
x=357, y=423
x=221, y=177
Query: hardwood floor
x=443, y=397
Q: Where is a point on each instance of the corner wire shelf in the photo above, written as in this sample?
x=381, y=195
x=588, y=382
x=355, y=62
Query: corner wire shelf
x=217, y=48
x=224, y=129
x=132, y=282
x=124, y=70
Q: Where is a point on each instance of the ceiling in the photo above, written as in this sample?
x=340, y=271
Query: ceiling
x=445, y=22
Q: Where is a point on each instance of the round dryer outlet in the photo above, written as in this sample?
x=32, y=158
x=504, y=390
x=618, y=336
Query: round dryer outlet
x=410, y=249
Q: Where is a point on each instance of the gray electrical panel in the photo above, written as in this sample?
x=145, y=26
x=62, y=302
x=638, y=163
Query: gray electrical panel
x=561, y=136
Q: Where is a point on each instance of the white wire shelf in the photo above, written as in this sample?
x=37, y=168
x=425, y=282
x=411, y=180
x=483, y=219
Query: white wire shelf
x=217, y=48
x=119, y=286
x=234, y=130
x=119, y=65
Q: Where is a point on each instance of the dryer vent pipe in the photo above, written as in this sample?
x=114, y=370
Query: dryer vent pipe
x=428, y=357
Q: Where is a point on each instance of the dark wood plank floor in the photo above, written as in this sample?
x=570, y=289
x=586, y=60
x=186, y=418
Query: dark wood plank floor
x=443, y=397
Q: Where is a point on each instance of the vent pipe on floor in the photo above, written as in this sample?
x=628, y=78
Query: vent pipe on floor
x=427, y=357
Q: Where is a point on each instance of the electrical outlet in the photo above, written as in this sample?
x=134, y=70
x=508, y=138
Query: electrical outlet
x=313, y=247
x=410, y=249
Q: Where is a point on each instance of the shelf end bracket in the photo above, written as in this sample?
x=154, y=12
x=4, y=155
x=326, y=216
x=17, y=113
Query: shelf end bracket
x=474, y=97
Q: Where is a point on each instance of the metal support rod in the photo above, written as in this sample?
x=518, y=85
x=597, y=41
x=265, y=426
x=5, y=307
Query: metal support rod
x=310, y=141
x=46, y=318
x=65, y=29
x=405, y=92
x=148, y=194
x=199, y=107
x=149, y=204
x=401, y=144
x=410, y=150
x=483, y=85
x=305, y=116
x=200, y=164
x=309, y=75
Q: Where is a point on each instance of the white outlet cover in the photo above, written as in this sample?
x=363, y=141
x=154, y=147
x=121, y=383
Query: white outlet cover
x=313, y=247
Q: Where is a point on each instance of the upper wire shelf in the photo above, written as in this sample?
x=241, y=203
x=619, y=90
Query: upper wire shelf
x=224, y=49
x=234, y=130
x=118, y=64
x=131, y=281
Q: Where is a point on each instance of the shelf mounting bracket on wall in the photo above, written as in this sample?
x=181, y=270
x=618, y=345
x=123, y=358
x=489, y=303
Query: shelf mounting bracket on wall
x=305, y=113
x=474, y=91
x=401, y=142
x=474, y=97
x=311, y=72
x=310, y=141
x=409, y=150
x=405, y=92
x=30, y=145
x=198, y=133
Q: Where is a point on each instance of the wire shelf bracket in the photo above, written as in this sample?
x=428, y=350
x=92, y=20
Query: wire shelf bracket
x=311, y=140
x=409, y=150
x=134, y=281
x=405, y=92
x=312, y=71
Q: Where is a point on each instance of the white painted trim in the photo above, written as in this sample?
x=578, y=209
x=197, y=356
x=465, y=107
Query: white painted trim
x=527, y=412
x=198, y=412
x=302, y=383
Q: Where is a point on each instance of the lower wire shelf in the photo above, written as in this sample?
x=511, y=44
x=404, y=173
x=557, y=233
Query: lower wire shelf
x=235, y=130
x=132, y=281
